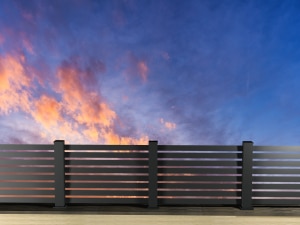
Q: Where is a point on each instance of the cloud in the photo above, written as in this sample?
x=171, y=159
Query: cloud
x=87, y=109
x=14, y=85
x=47, y=111
x=167, y=124
x=136, y=68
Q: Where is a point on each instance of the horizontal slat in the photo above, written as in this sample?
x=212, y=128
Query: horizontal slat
x=26, y=154
x=276, y=163
x=19, y=191
x=275, y=194
x=215, y=185
x=276, y=172
x=198, y=148
x=200, y=171
x=199, y=163
x=275, y=179
x=25, y=147
x=276, y=202
x=108, y=163
x=198, y=193
x=26, y=177
x=192, y=200
x=276, y=148
x=198, y=156
x=93, y=200
x=284, y=186
x=133, y=155
x=28, y=199
x=107, y=170
x=26, y=169
x=107, y=193
x=107, y=185
x=107, y=178
x=26, y=161
x=8, y=184
x=273, y=156
x=199, y=178
x=106, y=147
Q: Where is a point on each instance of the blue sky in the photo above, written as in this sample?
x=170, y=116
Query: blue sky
x=129, y=71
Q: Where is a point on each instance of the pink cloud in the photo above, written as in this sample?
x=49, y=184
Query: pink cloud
x=167, y=124
x=14, y=84
x=47, y=111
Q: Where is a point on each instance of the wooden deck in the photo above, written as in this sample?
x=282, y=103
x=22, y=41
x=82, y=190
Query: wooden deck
x=113, y=215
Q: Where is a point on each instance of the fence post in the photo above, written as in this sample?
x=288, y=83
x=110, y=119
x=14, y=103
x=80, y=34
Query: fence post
x=247, y=157
x=152, y=163
x=59, y=172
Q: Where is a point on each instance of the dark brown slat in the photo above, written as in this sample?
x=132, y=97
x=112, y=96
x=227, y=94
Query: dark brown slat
x=276, y=194
x=108, y=177
x=106, y=170
x=92, y=200
x=275, y=179
x=26, y=161
x=221, y=156
x=272, y=156
x=198, y=148
x=276, y=163
x=21, y=199
x=286, y=186
x=200, y=186
x=106, y=147
x=106, y=155
x=26, y=177
x=276, y=171
x=276, y=202
x=26, y=184
x=25, y=154
x=106, y=185
x=199, y=178
x=107, y=193
x=198, y=163
x=25, y=147
x=194, y=201
x=26, y=169
x=26, y=192
x=107, y=162
x=276, y=148
x=198, y=193
x=199, y=171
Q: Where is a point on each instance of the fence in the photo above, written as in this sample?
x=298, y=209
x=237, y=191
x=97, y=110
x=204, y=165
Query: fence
x=151, y=175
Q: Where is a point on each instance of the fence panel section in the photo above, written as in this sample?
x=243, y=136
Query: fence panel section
x=27, y=174
x=104, y=174
x=276, y=175
x=200, y=175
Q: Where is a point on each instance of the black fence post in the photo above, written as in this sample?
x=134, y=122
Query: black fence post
x=59, y=170
x=247, y=163
x=152, y=163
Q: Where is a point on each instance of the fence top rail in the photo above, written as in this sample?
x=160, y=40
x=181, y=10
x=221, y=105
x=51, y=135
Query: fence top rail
x=106, y=147
x=213, y=148
x=276, y=148
x=26, y=147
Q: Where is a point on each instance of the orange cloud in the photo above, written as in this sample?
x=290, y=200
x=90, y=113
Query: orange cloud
x=14, y=85
x=47, y=111
x=87, y=109
x=168, y=125
x=112, y=138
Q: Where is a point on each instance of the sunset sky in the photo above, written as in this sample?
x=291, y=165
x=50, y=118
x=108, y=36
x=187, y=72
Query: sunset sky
x=129, y=71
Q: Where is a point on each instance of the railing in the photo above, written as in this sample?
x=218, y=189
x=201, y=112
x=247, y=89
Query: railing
x=151, y=175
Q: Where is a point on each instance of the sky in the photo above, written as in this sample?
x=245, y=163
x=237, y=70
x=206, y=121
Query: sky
x=193, y=72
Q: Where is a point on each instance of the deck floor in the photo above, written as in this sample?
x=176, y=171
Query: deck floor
x=11, y=214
